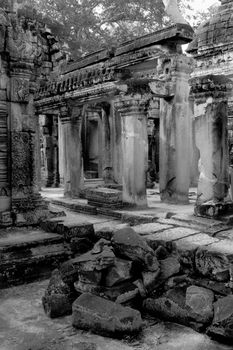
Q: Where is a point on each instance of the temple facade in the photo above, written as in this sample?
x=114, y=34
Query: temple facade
x=88, y=122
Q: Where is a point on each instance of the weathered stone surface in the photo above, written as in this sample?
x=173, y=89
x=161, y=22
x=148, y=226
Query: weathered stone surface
x=127, y=243
x=121, y=271
x=80, y=245
x=69, y=272
x=146, y=229
x=74, y=230
x=99, y=315
x=98, y=261
x=200, y=302
x=187, y=247
x=58, y=297
x=172, y=234
x=107, y=232
x=222, y=325
x=150, y=279
x=214, y=260
x=169, y=267
x=167, y=309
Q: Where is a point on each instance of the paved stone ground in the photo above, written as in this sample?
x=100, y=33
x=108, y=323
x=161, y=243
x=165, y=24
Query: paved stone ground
x=24, y=326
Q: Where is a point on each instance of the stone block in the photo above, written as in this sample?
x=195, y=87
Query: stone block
x=102, y=316
x=99, y=261
x=172, y=234
x=108, y=231
x=82, y=230
x=58, y=297
x=127, y=243
x=200, y=303
x=102, y=196
x=214, y=261
x=80, y=245
x=121, y=271
x=149, y=228
x=186, y=247
x=222, y=326
x=150, y=279
x=169, y=267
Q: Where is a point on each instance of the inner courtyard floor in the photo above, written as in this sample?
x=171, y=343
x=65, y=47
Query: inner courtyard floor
x=24, y=326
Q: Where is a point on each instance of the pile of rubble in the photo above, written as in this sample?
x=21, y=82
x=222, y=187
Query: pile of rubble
x=123, y=275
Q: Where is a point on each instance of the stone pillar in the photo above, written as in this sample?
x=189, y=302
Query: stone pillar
x=71, y=121
x=60, y=152
x=5, y=193
x=175, y=133
x=134, y=148
x=107, y=144
x=26, y=200
x=210, y=94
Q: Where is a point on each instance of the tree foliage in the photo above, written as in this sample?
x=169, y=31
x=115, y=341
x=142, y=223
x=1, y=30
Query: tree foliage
x=89, y=25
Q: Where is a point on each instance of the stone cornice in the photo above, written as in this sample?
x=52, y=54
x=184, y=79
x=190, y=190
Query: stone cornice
x=216, y=86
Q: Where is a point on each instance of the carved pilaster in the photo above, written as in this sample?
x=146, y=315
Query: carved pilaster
x=132, y=110
x=5, y=193
x=175, y=132
x=210, y=95
x=71, y=123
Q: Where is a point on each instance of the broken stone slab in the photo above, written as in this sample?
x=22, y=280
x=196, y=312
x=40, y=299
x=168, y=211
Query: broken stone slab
x=187, y=246
x=222, y=325
x=97, y=261
x=51, y=225
x=83, y=230
x=121, y=271
x=120, y=293
x=58, y=297
x=214, y=261
x=200, y=302
x=171, y=306
x=80, y=245
x=102, y=316
x=211, y=209
x=137, y=219
x=220, y=288
x=169, y=267
x=149, y=228
x=127, y=243
x=150, y=279
x=107, y=232
x=69, y=272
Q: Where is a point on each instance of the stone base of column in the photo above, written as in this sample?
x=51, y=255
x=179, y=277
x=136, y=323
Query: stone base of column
x=213, y=209
x=29, y=211
x=5, y=219
x=174, y=198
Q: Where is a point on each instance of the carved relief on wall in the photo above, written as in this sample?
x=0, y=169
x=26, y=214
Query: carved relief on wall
x=19, y=90
x=22, y=163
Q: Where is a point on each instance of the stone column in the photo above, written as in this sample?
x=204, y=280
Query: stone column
x=107, y=144
x=26, y=200
x=71, y=121
x=5, y=193
x=60, y=152
x=134, y=148
x=210, y=94
x=175, y=133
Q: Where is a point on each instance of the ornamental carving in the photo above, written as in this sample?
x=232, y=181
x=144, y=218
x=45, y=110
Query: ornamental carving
x=22, y=162
x=20, y=90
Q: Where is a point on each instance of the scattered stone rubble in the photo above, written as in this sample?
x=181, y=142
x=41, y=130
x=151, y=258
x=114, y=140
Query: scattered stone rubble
x=125, y=274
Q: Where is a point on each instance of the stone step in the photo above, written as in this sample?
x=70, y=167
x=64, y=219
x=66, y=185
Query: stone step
x=27, y=255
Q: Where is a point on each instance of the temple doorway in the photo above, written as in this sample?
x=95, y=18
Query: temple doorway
x=92, y=145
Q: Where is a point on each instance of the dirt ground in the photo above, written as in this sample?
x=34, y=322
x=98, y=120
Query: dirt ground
x=24, y=326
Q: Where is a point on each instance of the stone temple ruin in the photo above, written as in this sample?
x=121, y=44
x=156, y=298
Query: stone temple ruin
x=87, y=125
